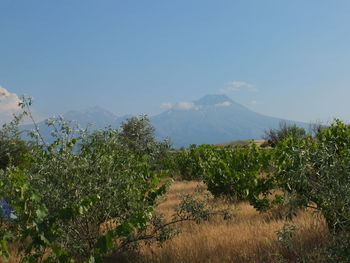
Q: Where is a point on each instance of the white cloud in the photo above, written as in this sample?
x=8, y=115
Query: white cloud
x=8, y=101
x=224, y=104
x=8, y=105
x=238, y=85
x=228, y=90
x=166, y=105
x=185, y=105
x=254, y=102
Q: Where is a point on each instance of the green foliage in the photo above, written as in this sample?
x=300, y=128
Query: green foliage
x=200, y=206
x=315, y=172
x=125, y=182
x=285, y=235
x=13, y=149
x=79, y=196
x=197, y=207
x=136, y=135
x=309, y=171
x=234, y=172
x=274, y=136
x=88, y=194
x=339, y=251
x=192, y=163
x=34, y=227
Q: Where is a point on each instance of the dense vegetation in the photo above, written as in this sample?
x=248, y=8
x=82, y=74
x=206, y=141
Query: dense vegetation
x=70, y=188
x=300, y=171
x=89, y=194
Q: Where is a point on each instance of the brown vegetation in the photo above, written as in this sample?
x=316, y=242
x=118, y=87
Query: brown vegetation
x=242, y=143
x=249, y=237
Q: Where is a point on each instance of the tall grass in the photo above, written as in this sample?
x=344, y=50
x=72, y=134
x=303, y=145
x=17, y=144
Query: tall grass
x=249, y=237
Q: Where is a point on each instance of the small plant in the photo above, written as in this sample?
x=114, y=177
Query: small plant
x=285, y=239
x=274, y=136
x=201, y=206
x=285, y=235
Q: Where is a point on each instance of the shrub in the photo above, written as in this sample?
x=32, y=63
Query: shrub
x=13, y=148
x=236, y=173
x=80, y=197
x=137, y=135
x=315, y=172
x=274, y=136
x=192, y=163
x=233, y=172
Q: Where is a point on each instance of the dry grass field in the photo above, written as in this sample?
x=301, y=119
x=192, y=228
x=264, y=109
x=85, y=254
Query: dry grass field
x=249, y=237
x=242, y=143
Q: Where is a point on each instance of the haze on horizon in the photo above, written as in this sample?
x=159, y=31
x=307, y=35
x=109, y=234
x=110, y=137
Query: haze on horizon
x=283, y=59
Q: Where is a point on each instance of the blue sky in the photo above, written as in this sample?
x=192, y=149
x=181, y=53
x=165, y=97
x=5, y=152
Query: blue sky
x=288, y=59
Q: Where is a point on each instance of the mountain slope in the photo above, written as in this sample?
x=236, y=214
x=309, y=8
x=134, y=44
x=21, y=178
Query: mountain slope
x=213, y=119
x=97, y=117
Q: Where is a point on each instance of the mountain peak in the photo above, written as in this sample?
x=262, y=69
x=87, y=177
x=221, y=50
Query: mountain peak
x=96, y=115
x=94, y=109
x=213, y=99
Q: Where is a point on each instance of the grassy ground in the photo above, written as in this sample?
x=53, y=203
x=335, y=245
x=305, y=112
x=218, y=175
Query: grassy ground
x=249, y=237
x=242, y=143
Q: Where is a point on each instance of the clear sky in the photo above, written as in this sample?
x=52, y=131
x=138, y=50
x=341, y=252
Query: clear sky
x=283, y=58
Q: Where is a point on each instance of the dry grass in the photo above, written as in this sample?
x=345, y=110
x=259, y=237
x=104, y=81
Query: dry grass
x=249, y=237
x=242, y=143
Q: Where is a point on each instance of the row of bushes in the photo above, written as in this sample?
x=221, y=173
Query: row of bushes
x=309, y=171
x=80, y=194
x=88, y=194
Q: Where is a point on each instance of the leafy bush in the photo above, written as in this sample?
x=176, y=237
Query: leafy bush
x=137, y=135
x=80, y=197
x=315, y=172
x=33, y=227
x=88, y=194
x=274, y=136
x=13, y=149
x=236, y=173
x=192, y=163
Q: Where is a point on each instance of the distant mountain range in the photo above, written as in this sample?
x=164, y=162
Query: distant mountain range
x=213, y=119
x=99, y=117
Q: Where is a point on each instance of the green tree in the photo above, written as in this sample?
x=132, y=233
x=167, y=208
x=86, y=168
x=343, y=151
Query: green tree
x=315, y=172
x=88, y=194
x=12, y=147
x=274, y=136
x=137, y=134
